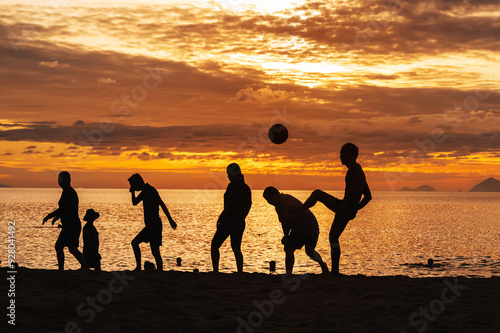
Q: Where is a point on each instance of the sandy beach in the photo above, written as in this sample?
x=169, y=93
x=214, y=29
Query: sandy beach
x=150, y=301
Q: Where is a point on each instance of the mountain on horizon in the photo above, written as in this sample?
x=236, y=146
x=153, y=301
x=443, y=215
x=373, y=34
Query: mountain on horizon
x=3, y=185
x=423, y=188
x=488, y=185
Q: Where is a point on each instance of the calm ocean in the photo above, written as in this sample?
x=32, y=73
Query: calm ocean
x=394, y=235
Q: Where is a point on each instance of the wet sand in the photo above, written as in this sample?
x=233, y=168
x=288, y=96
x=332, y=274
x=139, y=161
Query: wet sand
x=150, y=301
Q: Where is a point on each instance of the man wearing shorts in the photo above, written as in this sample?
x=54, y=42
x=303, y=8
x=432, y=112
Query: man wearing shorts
x=152, y=232
x=300, y=227
x=71, y=224
x=347, y=208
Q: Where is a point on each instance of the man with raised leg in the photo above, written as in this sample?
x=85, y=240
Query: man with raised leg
x=346, y=209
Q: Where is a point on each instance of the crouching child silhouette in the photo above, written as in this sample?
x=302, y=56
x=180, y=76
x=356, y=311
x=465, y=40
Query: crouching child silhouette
x=300, y=227
x=91, y=241
x=152, y=232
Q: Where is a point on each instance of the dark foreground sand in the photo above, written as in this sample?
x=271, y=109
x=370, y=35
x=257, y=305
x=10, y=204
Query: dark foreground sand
x=69, y=301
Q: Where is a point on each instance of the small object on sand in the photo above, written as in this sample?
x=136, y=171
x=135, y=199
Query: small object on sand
x=272, y=266
x=196, y=270
x=430, y=263
x=148, y=265
x=59, y=225
x=179, y=261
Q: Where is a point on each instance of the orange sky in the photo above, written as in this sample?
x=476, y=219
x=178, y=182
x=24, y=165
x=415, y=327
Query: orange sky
x=177, y=90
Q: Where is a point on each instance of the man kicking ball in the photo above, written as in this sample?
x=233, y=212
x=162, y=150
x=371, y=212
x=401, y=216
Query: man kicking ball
x=299, y=226
x=356, y=196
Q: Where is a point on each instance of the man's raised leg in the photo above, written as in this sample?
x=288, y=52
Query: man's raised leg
x=326, y=199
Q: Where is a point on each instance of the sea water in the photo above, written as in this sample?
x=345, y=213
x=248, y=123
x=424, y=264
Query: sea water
x=394, y=235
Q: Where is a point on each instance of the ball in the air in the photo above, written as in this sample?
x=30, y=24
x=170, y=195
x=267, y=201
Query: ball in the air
x=278, y=133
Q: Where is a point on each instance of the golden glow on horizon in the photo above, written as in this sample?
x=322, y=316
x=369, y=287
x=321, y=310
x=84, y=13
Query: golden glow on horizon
x=82, y=159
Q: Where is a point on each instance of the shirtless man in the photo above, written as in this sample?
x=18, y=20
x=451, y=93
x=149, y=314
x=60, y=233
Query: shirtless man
x=300, y=227
x=345, y=209
x=152, y=233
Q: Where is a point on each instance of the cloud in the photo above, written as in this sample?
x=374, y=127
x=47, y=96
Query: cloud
x=106, y=81
x=52, y=64
x=358, y=111
x=261, y=96
x=144, y=156
x=415, y=120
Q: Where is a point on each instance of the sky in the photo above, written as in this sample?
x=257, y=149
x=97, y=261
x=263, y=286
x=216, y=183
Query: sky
x=177, y=90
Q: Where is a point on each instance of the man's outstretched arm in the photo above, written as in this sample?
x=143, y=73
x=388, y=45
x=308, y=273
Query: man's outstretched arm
x=54, y=214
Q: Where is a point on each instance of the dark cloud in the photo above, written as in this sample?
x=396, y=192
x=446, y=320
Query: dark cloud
x=415, y=120
x=144, y=156
x=307, y=144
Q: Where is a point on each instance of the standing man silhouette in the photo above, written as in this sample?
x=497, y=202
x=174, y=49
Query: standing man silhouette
x=231, y=222
x=71, y=224
x=345, y=209
x=152, y=232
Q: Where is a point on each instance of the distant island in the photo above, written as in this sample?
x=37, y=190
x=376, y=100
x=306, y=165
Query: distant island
x=488, y=185
x=423, y=188
x=3, y=185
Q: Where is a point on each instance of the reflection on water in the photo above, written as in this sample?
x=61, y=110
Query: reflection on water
x=395, y=234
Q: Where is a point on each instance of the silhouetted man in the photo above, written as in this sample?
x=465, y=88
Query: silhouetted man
x=231, y=222
x=152, y=232
x=300, y=227
x=345, y=209
x=71, y=224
